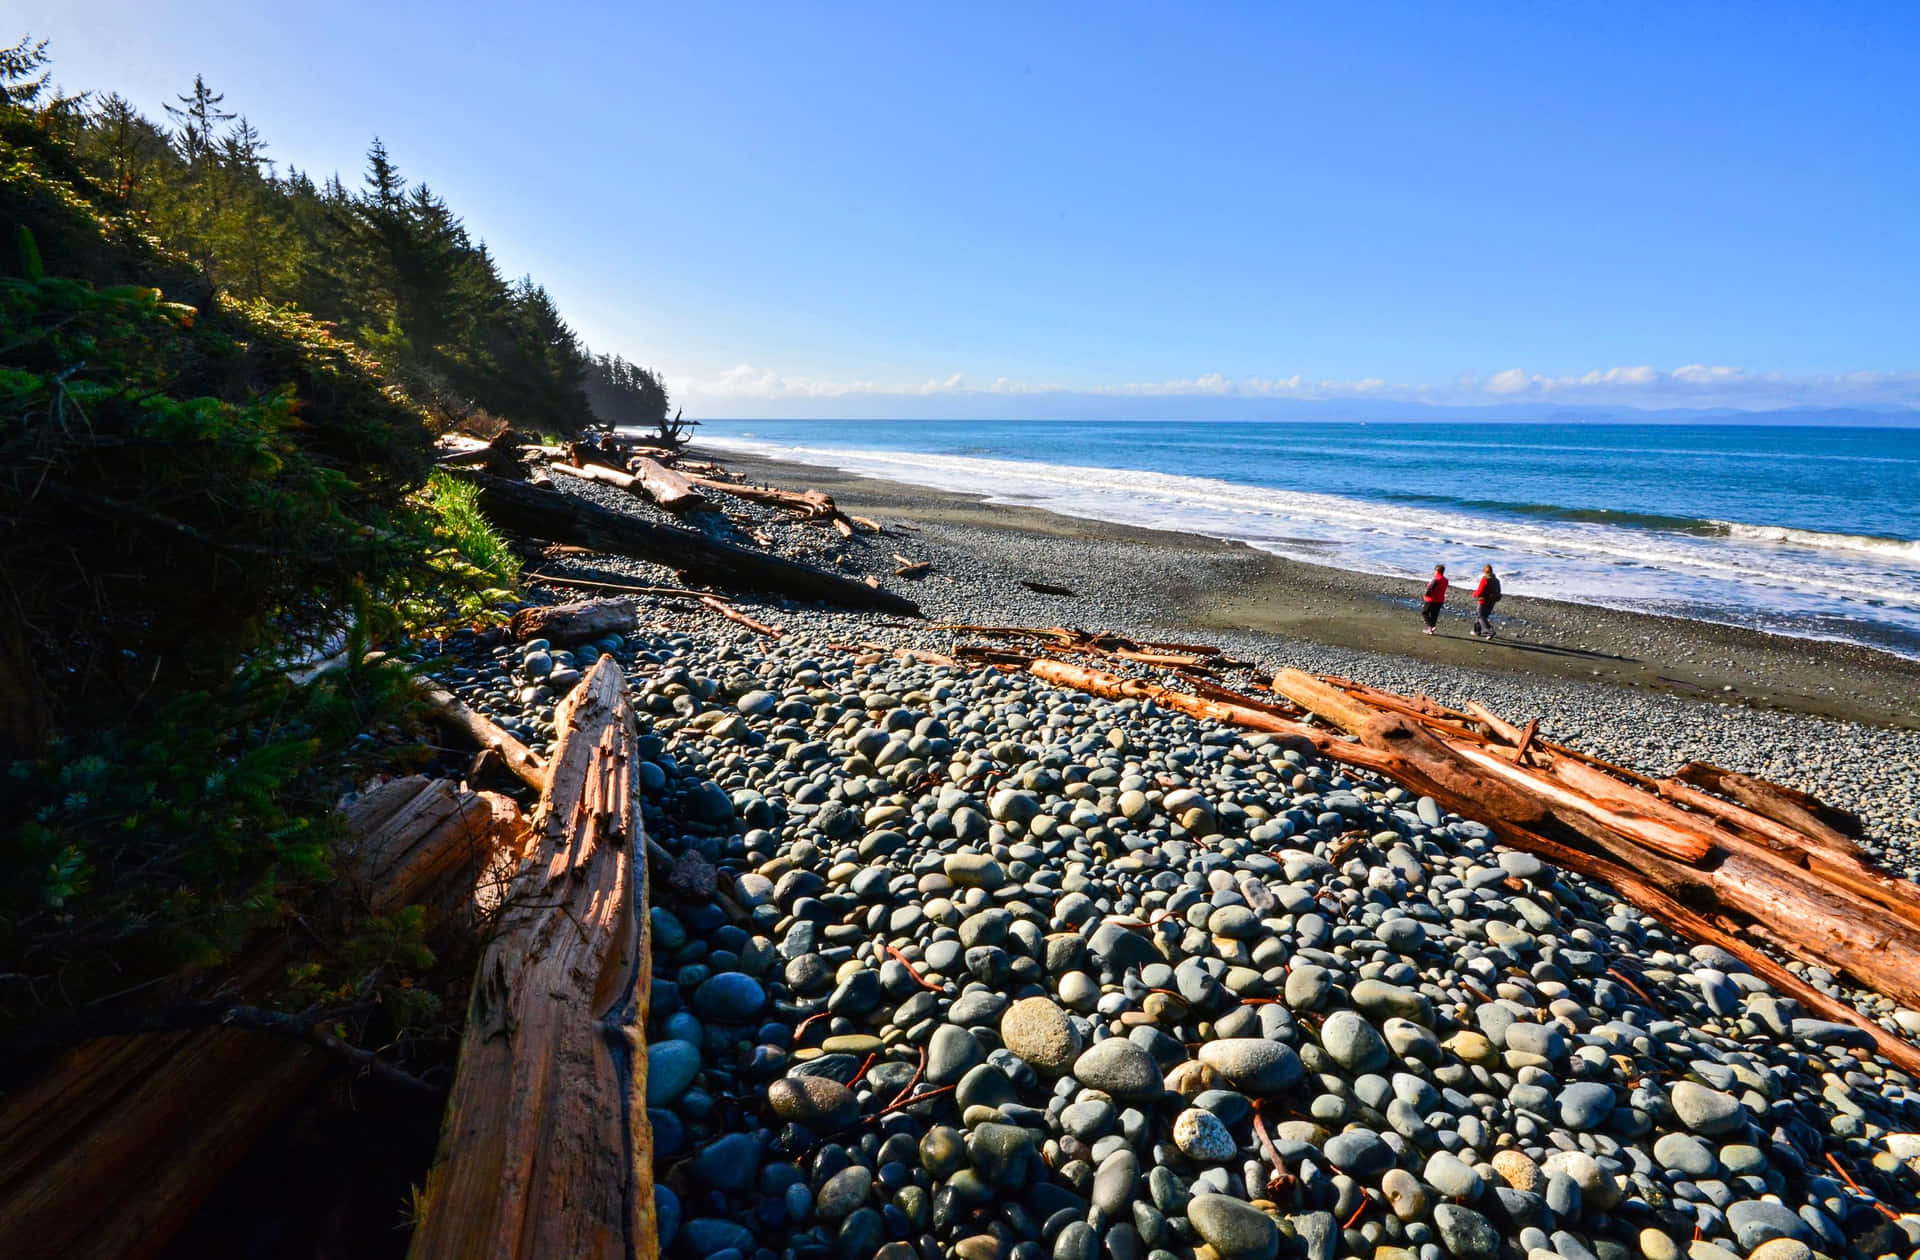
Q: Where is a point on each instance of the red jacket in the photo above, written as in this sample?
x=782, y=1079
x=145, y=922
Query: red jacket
x=1436, y=590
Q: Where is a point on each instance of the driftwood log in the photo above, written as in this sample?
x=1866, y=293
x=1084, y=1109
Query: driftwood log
x=813, y=504
x=575, y=622
x=524, y=510
x=452, y=713
x=111, y=1148
x=546, y=1149
x=673, y=491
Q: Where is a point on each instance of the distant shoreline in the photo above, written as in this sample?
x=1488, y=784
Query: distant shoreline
x=1232, y=587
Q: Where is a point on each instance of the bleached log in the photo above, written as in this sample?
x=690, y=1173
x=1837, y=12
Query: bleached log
x=546, y=1149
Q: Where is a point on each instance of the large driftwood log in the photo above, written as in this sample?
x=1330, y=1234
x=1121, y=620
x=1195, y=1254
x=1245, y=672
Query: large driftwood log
x=546, y=1149
x=113, y=1147
x=673, y=491
x=575, y=622
x=524, y=510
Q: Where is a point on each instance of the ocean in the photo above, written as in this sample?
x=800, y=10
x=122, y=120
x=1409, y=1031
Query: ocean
x=1801, y=530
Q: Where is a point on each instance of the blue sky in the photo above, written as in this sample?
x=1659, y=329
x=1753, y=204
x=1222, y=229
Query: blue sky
x=918, y=209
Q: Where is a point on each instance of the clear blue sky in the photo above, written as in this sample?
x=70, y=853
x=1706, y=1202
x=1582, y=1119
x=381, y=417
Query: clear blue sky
x=814, y=209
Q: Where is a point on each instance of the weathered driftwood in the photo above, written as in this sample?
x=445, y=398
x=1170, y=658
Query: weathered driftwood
x=739, y=618
x=451, y=712
x=673, y=491
x=111, y=1148
x=814, y=504
x=523, y=510
x=596, y=472
x=1114, y=687
x=546, y=1148
x=1805, y=813
x=576, y=622
x=412, y=834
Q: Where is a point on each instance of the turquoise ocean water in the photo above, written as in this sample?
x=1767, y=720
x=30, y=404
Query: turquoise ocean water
x=1803, y=530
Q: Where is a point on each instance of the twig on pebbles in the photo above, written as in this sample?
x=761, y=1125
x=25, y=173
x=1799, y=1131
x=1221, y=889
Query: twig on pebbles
x=915, y=976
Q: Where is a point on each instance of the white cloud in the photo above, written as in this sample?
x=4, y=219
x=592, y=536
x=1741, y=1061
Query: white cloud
x=1640, y=385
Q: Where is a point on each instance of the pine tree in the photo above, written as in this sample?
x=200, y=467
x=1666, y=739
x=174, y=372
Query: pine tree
x=200, y=116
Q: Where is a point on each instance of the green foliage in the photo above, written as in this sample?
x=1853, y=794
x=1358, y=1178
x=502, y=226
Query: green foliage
x=473, y=570
x=137, y=853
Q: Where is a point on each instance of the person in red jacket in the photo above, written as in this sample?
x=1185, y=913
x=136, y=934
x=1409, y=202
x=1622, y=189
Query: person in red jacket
x=1486, y=595
x=1434, y=599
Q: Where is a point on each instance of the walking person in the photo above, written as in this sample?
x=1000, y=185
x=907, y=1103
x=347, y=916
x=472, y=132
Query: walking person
x=1486, y=595
x=1434, y=599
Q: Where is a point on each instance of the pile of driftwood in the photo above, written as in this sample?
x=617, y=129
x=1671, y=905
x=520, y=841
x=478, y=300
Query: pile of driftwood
x=514, y=478
x=1723, y=859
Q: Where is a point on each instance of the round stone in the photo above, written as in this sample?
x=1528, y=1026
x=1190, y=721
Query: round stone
x=1686, y=1154
x=975, y=870
x=1040, y=1032
x=1406, y=1197
x=1235, y=1230
x=1118, y=1067
x=730, y=997
x=1254, y=1063
x=1585, y=1105
x=1518, y=1171
x=1353, y=1043
x=815, y=1101
x=951, y=1053
x=671, y=1067
x=1403, y=936
x=1781, y=1249
x=1465, y=1232
x=1359, y=1152
x=1201, y=1137
x=1706, y=1110
x=844, y=1193
x=1453, y=1176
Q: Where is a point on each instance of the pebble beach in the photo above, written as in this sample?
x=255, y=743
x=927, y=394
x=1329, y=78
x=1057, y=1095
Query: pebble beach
x=1022, y=972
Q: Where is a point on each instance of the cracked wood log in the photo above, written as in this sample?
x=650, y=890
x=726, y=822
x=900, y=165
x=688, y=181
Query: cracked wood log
x=597, y=472
x=111, y=1149
x=1657, y=833
x=1802, y=811
x=524, y=510
x=546, y=1149
x=673, y=491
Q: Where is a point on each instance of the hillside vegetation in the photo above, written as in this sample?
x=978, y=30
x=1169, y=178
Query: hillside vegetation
x=218, y=386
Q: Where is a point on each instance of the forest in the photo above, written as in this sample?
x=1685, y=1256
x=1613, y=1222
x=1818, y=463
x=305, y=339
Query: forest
x=388, y=264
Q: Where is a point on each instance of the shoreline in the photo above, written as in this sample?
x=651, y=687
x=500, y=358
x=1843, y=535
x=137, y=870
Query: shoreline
x=1220, y=586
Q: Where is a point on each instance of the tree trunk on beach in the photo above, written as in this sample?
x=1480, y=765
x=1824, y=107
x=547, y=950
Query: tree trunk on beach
x=537, y=513
x=546, y=1149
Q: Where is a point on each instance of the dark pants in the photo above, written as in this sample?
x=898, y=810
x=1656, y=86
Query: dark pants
x=1483, y=624
x=1430, y=613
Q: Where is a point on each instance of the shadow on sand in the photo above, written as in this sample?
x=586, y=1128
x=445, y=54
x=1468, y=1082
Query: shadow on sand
x=1554, y=649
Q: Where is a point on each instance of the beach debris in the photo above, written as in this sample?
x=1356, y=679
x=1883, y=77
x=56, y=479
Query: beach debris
x=546, y=1147
x=524, y=510
x=1045, y=588
x=670, y=489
